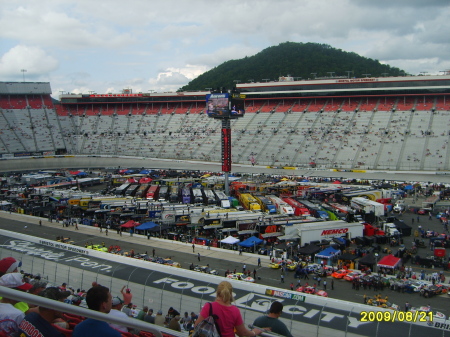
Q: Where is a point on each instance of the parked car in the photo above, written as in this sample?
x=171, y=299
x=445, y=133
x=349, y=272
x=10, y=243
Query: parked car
x=241, y=277
x=352, y=275
x=339, y=274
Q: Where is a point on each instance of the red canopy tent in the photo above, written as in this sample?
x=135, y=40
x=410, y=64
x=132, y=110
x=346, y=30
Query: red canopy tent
x=130, y=224
x=389, y=261
x=145, y=180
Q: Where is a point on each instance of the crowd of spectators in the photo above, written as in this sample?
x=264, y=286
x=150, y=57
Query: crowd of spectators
x=25, y=320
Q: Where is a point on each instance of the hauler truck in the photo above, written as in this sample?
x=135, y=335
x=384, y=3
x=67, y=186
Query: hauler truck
x=317, y=231
x=266, y=204
x=282, y=206
x=249, y=202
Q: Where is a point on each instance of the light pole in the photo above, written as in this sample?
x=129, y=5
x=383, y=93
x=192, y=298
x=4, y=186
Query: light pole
x=314, y=74
x=348, y=73
x=266, y=79
x=367, y=75
x=376, y=262
x=23, y=73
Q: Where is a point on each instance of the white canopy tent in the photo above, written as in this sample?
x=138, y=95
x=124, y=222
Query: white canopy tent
x=230, y=240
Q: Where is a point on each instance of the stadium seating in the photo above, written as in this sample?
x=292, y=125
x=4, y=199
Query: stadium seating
x=378, y=133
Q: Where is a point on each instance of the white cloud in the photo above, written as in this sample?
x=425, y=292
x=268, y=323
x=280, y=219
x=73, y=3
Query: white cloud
x=34, y=60
x=163, y=44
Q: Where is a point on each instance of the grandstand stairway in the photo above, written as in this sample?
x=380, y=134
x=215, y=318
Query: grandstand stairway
x=406, y=136
x=308, y=135
x=427, y=140
x=365, y=132
x=253, y=129
x=288, y=147
x=382, y=140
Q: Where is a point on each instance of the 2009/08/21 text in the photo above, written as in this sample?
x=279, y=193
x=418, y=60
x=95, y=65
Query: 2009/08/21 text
x=396, y=316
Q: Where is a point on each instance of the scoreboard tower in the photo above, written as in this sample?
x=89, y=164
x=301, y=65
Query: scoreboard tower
x=225, y=105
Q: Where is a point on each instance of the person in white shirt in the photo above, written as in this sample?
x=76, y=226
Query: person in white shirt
x=116, y=308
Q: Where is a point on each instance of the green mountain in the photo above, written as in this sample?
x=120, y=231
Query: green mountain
x=300, y=60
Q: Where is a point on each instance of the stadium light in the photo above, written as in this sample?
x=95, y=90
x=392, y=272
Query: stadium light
x=236, y=81
x=367, y=75
x=331, y=73
x=348, y=73
x=151, y=90
x=23, y=73
x=266, y=79
x=384, y=74
x=315, y=74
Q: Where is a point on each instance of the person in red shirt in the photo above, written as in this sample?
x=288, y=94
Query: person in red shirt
x=229, y=316
x=127, y=295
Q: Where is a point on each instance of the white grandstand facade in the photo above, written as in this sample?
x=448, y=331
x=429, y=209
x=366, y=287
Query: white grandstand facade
x=387, y=123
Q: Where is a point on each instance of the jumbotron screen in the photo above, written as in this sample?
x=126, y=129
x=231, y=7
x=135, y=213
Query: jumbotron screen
x=225, y=105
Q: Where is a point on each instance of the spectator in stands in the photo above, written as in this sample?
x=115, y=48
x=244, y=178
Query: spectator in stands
x=186, y=321
x=116, y=307
x=141, y=314
x=38, y=287
x=229, y=316
x=127, y=309
x=40, y=322
x=11, y=317
x=172, y=313
x=174, y=323
x=9, y=265
x=149, y=318
x=271, y=320
x=98, y=298
x=160, y=319
x=127, y=295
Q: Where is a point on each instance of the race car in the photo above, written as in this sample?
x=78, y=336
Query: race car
x=291, y=266
x=274, y=265
x=206, y=269
x=352, y=275
x=241, y=277
x=339, y=274
x=311, y=290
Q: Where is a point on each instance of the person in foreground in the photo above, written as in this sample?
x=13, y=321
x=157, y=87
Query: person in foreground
x=40, y=320
x=229, y=316
x=271, y=320
x=98, y=298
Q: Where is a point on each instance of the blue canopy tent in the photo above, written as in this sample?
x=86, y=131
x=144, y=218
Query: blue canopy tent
x=250, y=242
x=326, y=255
x=81, y=174
x=145, y=172
x=147, y=225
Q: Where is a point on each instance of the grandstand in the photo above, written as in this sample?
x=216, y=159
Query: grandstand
x=391, y=123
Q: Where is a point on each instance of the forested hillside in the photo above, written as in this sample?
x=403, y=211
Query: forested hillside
x=300, y=60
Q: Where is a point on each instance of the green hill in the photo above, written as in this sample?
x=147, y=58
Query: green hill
x=299, y=60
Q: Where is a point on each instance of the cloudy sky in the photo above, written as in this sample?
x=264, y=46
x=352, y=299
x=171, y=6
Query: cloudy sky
x=106, y=46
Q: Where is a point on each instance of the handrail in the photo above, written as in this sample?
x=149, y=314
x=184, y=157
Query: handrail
x=65, y=307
